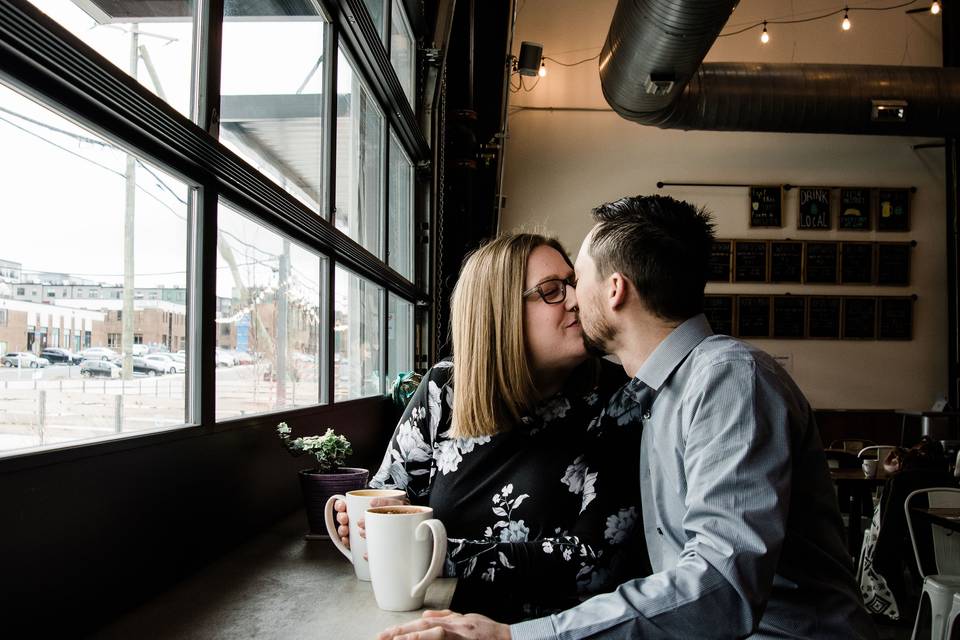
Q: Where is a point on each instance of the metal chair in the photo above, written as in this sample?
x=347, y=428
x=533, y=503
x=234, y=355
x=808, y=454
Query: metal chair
x=939, y=588
x=853, y=445
x=953, y=621
x=875, y=452
x=841, y=459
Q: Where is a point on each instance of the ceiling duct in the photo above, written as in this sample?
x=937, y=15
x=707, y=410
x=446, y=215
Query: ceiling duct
x=652, y=72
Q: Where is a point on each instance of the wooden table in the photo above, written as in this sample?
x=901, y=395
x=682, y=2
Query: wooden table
x=859, y=488
x=277, y=586
x=948, y=518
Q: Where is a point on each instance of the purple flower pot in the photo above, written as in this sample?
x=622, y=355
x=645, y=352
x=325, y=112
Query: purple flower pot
x=318, y=487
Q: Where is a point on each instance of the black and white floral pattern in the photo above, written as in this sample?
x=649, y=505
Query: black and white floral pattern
x=534, y=514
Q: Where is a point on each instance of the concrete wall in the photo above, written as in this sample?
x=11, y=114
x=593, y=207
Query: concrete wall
x=559, y=164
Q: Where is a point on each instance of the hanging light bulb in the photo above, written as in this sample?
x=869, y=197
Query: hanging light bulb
x=935, y=7
x=543, y=70
x=845, y=25
x=764, y=36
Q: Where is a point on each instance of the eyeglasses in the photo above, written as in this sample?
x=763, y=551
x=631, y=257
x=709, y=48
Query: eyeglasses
x=552, y=291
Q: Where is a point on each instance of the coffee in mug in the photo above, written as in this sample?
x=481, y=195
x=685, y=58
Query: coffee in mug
x=406, y=547
x=357, y=502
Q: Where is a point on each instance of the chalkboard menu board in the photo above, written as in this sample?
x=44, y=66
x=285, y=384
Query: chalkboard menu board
x=750, y=261
x=789, y=316
x=860, y=318
x=893, y=210
x=786, y=261
x=856, y=263
x=753, y=316
x=821, y=263
x=896, y=319
x=814, y=212
x=854, y=209
x=719, y=313
x=766, y=206
x=824, y=317
x=719, y=267
x=893, y=264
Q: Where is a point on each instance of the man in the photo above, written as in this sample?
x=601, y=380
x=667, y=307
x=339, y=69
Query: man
x=739, y=513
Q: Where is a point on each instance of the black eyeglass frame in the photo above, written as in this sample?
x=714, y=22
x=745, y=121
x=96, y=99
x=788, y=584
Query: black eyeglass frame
x=570, y=281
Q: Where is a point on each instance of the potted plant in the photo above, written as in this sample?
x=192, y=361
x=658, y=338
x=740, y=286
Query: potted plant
x=328, y=477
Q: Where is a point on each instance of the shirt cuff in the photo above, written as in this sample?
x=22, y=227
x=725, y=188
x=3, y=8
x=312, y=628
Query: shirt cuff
x=537, y=629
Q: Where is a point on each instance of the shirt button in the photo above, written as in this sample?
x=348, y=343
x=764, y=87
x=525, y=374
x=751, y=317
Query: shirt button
x=659, y=530
x=646, y=414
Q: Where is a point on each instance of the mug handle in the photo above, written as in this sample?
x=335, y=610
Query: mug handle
x=332, y=525
x=439, y=553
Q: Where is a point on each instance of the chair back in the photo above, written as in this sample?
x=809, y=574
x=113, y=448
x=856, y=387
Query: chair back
x=946, y=544
x=853, y=445
x=875, y=452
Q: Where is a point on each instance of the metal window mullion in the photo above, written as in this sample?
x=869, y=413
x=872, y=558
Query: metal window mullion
x=329, y=137
x=203, y=306
x=331, y=324
x=384, y=345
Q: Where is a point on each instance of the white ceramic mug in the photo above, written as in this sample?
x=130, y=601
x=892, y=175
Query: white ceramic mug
x=403, y=558
x=357, y=503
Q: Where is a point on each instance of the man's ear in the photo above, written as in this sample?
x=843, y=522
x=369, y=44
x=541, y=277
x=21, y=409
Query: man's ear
x=618, y=290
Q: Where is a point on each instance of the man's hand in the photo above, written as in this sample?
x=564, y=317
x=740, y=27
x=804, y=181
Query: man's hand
x=447, y=625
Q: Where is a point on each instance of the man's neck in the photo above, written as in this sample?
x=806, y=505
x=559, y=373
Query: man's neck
x=640, y=338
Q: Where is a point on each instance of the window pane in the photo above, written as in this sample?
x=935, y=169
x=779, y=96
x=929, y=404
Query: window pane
x=152, y=41
x=403, y=53
x=357, y=329
x=401, y=211
x=90, y=324
x=359, y=161
x=272, y=92
x=268, y=320
x=378, y=15
x=399, y=338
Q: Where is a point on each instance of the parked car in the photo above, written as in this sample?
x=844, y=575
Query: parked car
x=149, y=367
x=140, y=350
x=242, y=357
x=224, y=358
x=57, y=355
x=23, y=359
x=98, y=353
x=168, y=363
x=100, y=369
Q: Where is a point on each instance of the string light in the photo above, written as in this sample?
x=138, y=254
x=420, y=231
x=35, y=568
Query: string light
x=764, y=36
x=935, y=7
x=543, y=69
x=845, y=25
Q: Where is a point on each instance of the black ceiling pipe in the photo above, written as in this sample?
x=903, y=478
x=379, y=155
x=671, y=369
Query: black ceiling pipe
x=652, y=72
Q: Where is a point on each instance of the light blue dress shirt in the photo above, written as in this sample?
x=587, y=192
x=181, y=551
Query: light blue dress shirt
x=739, y=512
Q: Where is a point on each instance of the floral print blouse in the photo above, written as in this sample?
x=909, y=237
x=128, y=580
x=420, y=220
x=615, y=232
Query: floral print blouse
x=537, y=514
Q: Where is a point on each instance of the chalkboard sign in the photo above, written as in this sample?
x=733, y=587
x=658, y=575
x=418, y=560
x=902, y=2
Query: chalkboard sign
x=860, y=318
x=854, y=209
x=753, y=316
x=786, y=261
x=824, y=322
x=814, y=211
x=821, y=263
x=789, y=316
x=893, y=210
x=896, y=319
x=719, y=313
x=856, y=263
x=893, y=264
x=750, y=261
x=766, y=206
x=719, y=266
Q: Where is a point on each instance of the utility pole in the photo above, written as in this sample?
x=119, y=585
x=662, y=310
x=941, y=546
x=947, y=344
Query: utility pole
x=129, y=281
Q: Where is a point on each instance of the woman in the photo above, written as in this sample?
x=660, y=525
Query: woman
x=510, y=443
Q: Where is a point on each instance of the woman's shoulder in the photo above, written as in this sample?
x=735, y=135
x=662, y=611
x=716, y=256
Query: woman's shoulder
x=440, y=373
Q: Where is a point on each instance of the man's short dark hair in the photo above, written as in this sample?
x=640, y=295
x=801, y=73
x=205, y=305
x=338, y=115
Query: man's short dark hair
x=662, y=245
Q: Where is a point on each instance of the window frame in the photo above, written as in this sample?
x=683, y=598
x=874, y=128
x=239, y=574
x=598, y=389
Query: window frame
x=44, y=61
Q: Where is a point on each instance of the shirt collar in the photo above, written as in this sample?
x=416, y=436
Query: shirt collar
x=673, y=350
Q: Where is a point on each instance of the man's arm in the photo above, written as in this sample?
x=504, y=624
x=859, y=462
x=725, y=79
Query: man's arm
x=736, y=449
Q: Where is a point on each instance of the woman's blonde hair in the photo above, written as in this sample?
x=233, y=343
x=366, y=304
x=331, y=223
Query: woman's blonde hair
x=494, y=385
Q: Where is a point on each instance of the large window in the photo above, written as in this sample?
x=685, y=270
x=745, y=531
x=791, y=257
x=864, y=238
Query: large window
x=403, y=54
x=272, y=104
x=360, y=141
x=358, y=327
x=86, y=212
x=151, y=41
x=268, y=353
x=400, y=335
x=401, y=246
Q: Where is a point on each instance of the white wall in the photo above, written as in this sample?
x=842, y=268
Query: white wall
x=560, y=164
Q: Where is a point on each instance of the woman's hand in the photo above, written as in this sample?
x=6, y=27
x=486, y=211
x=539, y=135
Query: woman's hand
x=447, y=625
x=343, y=520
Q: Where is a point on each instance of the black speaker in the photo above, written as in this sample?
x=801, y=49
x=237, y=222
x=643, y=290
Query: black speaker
x=528, y=62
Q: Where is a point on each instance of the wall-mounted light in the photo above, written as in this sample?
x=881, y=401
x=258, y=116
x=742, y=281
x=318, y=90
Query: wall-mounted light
x=934, y=7
x=543, y=69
